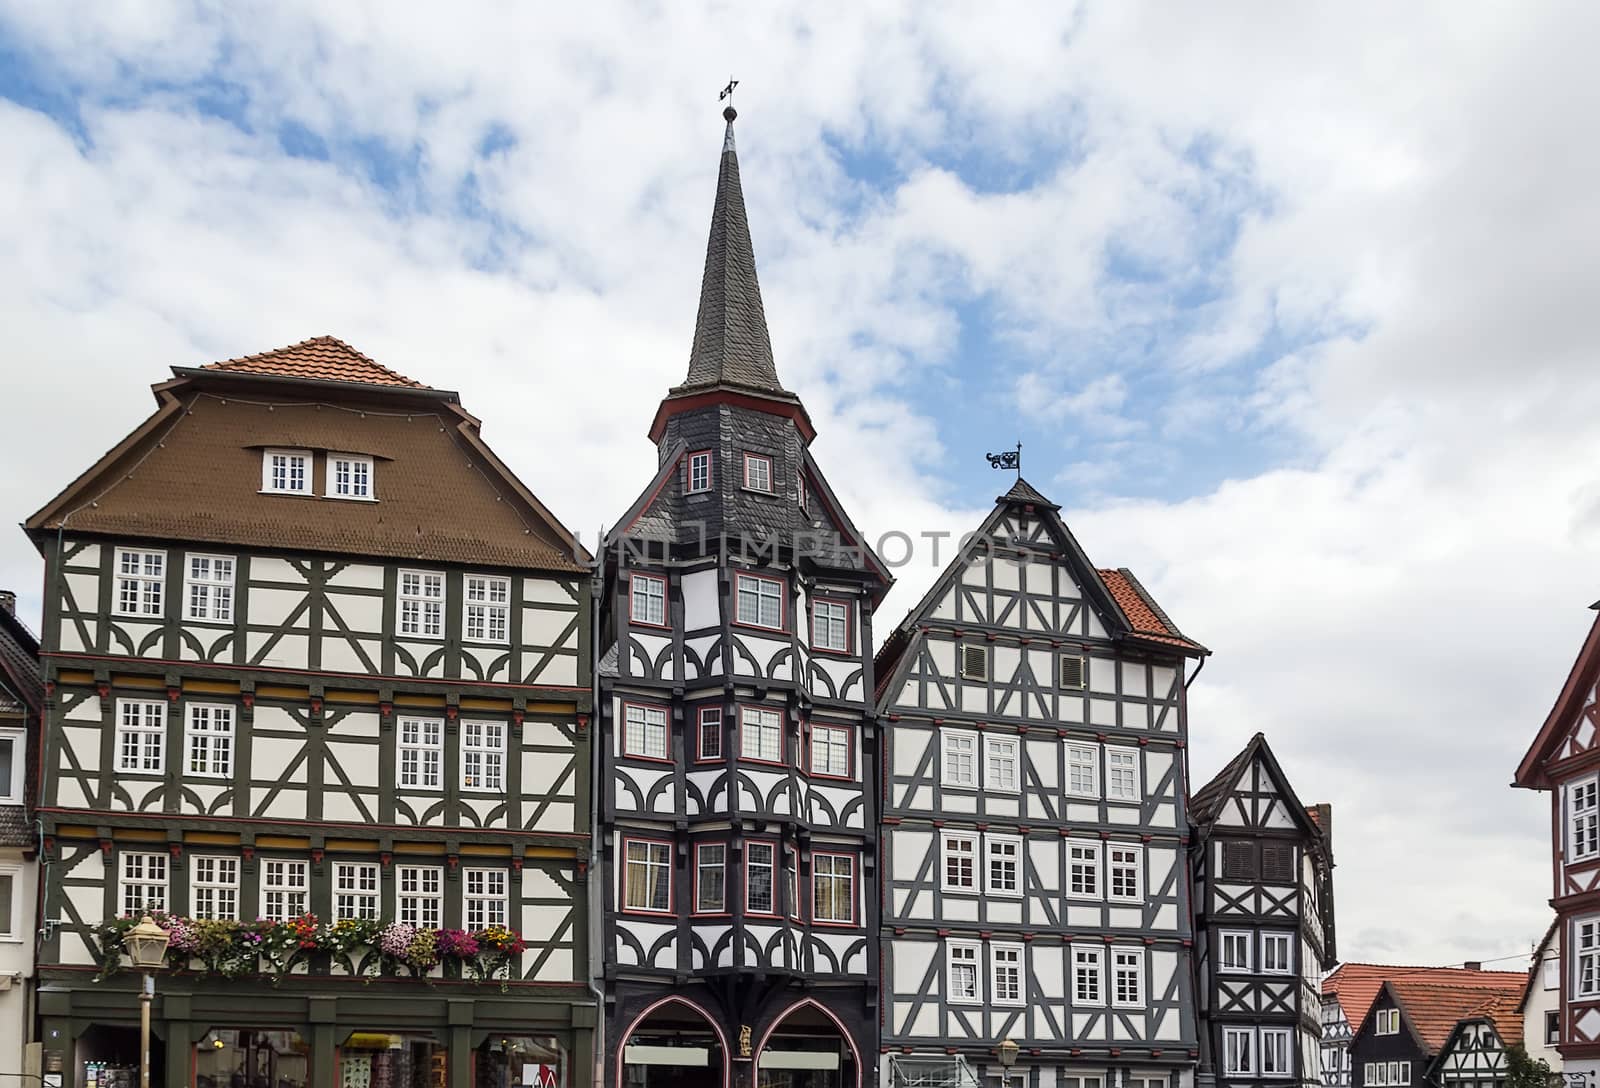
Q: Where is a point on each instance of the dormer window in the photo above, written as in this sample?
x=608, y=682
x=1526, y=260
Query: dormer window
x=699, y=472
x=286, y=472
x=349, y=476
x=800, y=492
x=758, y=472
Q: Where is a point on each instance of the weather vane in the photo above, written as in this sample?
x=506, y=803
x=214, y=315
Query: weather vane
x=727, y=92
x=1011, y=459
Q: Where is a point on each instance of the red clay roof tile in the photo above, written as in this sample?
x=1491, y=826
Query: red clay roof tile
x=1146, y=623
x=1357, y=984
x=322, y=358
x=1434, y=1009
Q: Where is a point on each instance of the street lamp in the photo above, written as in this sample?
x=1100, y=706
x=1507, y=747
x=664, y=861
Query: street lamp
x=1006, y=1052
x=147, y=948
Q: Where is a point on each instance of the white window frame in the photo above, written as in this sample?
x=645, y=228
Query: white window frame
x=1235, y=939
x=356, y=887
x=1016, y=960
x=760, y=594
x=419, y=895
x=208, y=588
x=1122, y=774
x=702, y=460
x=961, y=737
x=359, y=487
x=1583, y=818
x=145, y=585
x=1285, y=1038
x=1083, y=757
x=13, y=789
x=269, y=483
x=421, y=607
x=830, y=617
x=1230, y=1051
x=645, y=593
x=967, y=955
x=954, y=845
x=149, y=739
x=1586, y=957
x=771, y=865
x=289, y=879
x=1088, y=961
x=764, y=483
x=214, y=877
x=425, y=752
x=701, y=866
x=1079, y=853
x=760, y=724
x=11, y=898
x=993, y=749
x=990, y=886
x=642, y=723
x=1388, y=1022
x=486, y=609
x=1130, y=861
x=1285, y=943
x=834, y=742
x=208, y=738
x=485, y=899
x=483, y=756
x=1127, y=965
x=149, y=872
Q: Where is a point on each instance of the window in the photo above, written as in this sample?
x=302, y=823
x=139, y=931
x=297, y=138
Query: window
x=421, y=753
x=1276, y=953
x=830, y=750
x=1552, y=973
x=647, y=599
x=349, y=477
x=1083, y=770
x=1234, y=955
x=355, y=891
x=421, y=895
x=286, y=472
x=141, y=582
x=647, y=876
x=1127, y=978
x=962, y=962
x=1124, y=870
x=285, y=889
x=1388, y=1022
x=1586, y=964
x=757, y=472
x=710, y=878
x=800, y=492
x=1005, y=974
x=144, y=883
x=760, y=734
x=487, y=615
x=1239, y=861
x=1122, y=774
x=214, y=888
x=1277, y=862
x=759, y=865
x=209, y=738
x=833, y=884
x=1403, y=1076
x=1072, y=672
x=699, y=471
x=13, y=758
x=1238, y=1050
x=1275, y=1053
x=484, y=899
x=421, y=604
x=960, y=759
x=1584, y=806
x=830, y=626
x=1087, y=966
x=208, y=588
x=960, y=861
x=1083, y=870
x=141, y=735
x=974, y=662
x=644, y=731
x=710, y=732
x=791, y=870
x=1552, y=1028
x=1000, y=764
x=483, y=756
x=1004, y=854
x=760, y=602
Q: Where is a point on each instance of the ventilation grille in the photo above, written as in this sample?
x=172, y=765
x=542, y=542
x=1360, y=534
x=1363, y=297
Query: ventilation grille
x=1073, y=668
x=975, y=662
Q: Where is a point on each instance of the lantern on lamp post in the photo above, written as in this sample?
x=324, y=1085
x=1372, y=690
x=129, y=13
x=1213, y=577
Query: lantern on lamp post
x=147, y=948
x=1006, y=1051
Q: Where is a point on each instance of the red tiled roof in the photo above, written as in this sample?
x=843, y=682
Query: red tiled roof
x=1357, y=984
x=1434, y=1009
x=1147, y=623
x=322, y=358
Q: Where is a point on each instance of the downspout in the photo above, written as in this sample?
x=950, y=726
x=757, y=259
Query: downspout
x=597, y=928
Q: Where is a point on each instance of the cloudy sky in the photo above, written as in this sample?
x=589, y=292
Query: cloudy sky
x=1293, y=309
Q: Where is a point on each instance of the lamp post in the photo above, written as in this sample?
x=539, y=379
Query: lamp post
x=147, y=948
x=1006, y=1052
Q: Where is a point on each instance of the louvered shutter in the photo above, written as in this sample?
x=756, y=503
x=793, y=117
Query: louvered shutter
x=1071, y=672
x=1277, y=862
x=975, y=662
x=1239, y=861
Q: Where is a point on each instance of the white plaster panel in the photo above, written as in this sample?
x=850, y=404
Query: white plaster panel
x=268, y=569
x=975, y=698
x=339, y=655
x=338, y=805
x=1133, y=678
x=270, y=756
x=362, y=613
x=910, y=745
x=273, y=607
x=546, y=591
x=1092, y=626
x=542, y=628
x=1103, y=712
x=289, y=652
x=85, y=745
x=69, y=794
x=700, y=604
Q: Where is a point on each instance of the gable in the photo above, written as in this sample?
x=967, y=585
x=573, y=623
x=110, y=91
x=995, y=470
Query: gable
x=1256, y=802
x=1573, y=725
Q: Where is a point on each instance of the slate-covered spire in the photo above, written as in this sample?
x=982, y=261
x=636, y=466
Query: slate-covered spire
x=731, y=345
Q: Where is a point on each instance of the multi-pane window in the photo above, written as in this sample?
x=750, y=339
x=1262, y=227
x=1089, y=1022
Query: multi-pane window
x=960, y=861
x=1275, y=953
x=760, y=734
x=355, y=890
x=1583, y=800
x=1552, y=1028
x=421, y=603
x=830, y=626
x=349, y=477
x=1124, y=867
x=420, y=895
x=1127, y=978
x=1586, y=963
x=1088, y=967
x=647, y=876
x=1083, y=770
x=1122, y=774
x=421, y=749
x=214, y=888
x=1234, y=954
x=1083, y=870
x=285, y=889
x=644, y=731
x=483, y=756
x=487, y=610
x=699, y=471
x=760, y=602
x=144, y=883
x=209, y=734
x=141, y=582
x=1005, y=974
x=13, y=749
x=711, y=732
x=1275, y=1052
x=286, y=471
x=757, y=472
x=1388, y=1022
x=760, y=866
x=1238, y=1050
x=1004, y=854
x=647, y=599
x=711, y=878
x=141, y=735
x=791, y=880
x=833, y=888
x=208, y=588
x=830, y=750
x=960, y=759
x=1000, y=764
x=484, y=899
x=800, y=492
x=962, y=957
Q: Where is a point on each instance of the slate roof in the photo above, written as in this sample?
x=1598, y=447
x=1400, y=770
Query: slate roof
x=321, y=358
x=1434, y=1009
x=1208, y=799
x=20, y=675
x=1357, y=984
x=1023, y=491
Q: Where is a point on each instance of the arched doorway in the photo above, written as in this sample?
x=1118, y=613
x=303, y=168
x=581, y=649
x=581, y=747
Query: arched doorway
x=673, y=1044
x=807, y=1047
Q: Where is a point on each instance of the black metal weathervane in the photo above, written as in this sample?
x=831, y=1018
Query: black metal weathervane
x=727, y=92
x=1011, y=459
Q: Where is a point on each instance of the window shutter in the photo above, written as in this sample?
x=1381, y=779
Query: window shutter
x=975, y=662
x=1277, y=862
x=1072, y=670
x=1239, y=860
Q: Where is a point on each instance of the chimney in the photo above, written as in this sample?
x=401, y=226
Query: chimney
x=1473, y=965
x=8, y=602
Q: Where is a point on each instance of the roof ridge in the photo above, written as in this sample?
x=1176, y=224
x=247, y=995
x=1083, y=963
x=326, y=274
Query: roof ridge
x=260, y=363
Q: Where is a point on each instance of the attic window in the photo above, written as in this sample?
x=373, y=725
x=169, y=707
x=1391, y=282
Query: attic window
x=757, y=472
x=974, y=662
x=800, y=491
x=1072, y=670
x=286, y=472
x=1277, y=862
x=349, y=476
x=1238, y=861
x=699, y=472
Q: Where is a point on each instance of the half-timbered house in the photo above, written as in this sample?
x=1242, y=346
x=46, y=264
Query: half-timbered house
x=1263, y=894
x=1034, y=825
x=316, y=657
x=1420, y=1031
x=21, y=714
x=739, y=813
x=1541, y=1001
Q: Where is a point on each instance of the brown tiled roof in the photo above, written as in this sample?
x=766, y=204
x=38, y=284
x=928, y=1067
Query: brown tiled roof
x=1147, y=620
x=322, y=358
x=1357, y=984
x=1434, y=1008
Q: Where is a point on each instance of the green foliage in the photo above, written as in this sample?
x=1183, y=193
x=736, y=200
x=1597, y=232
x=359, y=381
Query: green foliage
x=1528, y=1072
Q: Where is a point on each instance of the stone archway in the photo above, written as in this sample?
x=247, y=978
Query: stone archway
x=673, y=1043
x=807, y=1047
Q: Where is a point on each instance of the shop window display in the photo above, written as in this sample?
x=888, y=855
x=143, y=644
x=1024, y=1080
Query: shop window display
x=519, y=1061
x=382, y=1059
x=250, y=1058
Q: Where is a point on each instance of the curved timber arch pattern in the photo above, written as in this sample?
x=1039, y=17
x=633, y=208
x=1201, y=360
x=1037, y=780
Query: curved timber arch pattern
x=838, y=1024
x=655, y=1007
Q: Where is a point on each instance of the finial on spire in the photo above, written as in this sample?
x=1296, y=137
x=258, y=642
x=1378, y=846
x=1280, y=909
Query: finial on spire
x=1010, y=459
x=729, y=113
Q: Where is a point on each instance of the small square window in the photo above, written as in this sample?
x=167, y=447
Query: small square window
x=757, y=472
x=286, y=472
x=349, y=476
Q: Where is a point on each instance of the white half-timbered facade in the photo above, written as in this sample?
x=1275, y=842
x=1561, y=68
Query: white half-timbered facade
x=1034, y=829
